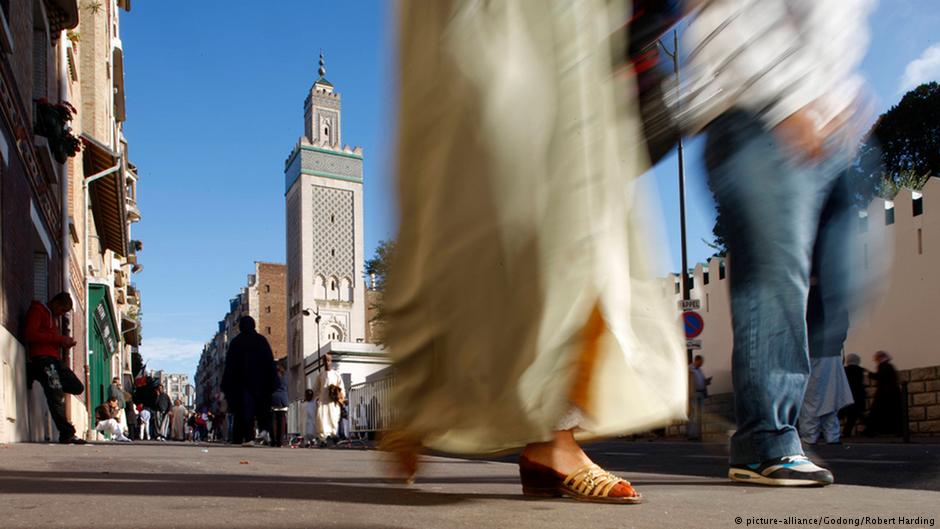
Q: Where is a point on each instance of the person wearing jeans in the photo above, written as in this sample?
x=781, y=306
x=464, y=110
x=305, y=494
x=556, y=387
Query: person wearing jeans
x=772, y=84
x=779, y=219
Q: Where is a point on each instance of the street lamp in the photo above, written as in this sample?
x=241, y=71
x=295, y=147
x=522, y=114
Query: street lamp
x=315, y=312
x=674, y=55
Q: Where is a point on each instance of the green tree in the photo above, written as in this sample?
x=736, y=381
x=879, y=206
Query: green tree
x=377, y=266
x=902, y=149
x=377, y=271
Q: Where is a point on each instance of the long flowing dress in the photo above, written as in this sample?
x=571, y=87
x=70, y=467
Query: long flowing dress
x=178, y=425
x=328, y=412
x=520, y=293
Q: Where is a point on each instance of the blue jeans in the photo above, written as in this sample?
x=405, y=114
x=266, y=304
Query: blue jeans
x=782, y=222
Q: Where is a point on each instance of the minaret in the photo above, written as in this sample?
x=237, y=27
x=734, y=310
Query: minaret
x=323, y=188
x=322, y=112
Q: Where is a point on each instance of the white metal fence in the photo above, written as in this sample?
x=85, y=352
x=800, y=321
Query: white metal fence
x=369, y=406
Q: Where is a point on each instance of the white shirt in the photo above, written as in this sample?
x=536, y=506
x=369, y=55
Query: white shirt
x=773, y=57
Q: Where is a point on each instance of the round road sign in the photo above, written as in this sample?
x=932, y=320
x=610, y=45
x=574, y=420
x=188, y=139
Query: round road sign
x=693, y=323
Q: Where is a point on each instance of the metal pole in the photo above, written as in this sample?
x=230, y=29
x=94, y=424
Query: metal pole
x=684, y=274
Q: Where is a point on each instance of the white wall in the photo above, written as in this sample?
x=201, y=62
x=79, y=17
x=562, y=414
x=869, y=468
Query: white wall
x=899, y=285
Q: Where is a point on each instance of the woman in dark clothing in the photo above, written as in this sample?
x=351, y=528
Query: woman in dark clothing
x=855, y=374
x=279, y=405
x=885, y=416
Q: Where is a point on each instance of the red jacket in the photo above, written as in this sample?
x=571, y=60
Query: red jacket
x=42, y=333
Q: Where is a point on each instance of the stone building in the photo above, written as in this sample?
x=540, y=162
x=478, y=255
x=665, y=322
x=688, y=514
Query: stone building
x=323, y=188
x=62, y=154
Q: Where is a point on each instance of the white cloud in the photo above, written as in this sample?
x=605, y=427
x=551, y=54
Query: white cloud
x=172, y=354
x=923, y=69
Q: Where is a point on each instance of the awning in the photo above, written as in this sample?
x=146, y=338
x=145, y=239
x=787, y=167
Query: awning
x=63, y=14
x=117, y=60
x=107, y=195
x=130, y=330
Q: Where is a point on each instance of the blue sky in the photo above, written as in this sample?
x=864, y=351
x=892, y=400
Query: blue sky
x=215, y=104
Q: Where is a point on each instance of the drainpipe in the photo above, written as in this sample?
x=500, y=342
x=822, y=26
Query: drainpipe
x=85, y=182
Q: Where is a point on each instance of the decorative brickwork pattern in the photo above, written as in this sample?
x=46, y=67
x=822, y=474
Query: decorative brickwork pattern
x=333, y=232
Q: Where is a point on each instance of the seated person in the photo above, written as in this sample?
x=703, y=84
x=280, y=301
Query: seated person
x=106, y=415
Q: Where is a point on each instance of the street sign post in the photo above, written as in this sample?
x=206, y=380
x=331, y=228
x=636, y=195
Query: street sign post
x=693, y=323
x=694, y=345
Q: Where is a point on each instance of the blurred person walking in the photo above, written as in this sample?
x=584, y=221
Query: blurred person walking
x=772, y=84
x=280, y=403
x=520, y=310
x=885, y=415
x=46, y=364
x=248, y=381
x=855, y=374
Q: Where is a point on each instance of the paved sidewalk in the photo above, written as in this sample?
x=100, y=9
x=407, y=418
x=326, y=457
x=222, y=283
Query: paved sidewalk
x=186, y=486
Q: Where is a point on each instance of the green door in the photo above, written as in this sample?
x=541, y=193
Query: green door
x=102, y=344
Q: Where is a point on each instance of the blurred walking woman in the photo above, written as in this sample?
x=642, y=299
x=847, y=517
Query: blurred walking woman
x=520, y=311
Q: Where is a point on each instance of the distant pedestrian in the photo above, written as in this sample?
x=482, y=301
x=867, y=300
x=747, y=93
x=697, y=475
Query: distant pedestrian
x=855, y=374
x=885, y=415
x=118, y=393
x=699, y=392
x=162, y=413
x=106, y=417
x=144, y=420
x=248, y=381
x=328, y=389
x=279, y=406
x=45, y=360
x=310, y=417
x=178, y=416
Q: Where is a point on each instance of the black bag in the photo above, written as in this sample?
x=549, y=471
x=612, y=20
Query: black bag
x=70, y=382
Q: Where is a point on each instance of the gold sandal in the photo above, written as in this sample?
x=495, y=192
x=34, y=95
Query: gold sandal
x=588, y=483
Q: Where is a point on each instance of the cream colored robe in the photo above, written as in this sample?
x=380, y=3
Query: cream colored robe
x=518, y=151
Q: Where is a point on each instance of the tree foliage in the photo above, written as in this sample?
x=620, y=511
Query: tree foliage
x=902, y=149
x=377, y=266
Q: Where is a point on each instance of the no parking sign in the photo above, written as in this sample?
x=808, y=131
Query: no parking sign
x=693, y=323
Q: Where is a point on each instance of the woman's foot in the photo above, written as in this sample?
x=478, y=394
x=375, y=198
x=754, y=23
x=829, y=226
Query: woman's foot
x=405, y=449
x=561, y=468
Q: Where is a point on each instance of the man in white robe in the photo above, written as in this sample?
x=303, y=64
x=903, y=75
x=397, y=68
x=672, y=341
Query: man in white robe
x=328, y=409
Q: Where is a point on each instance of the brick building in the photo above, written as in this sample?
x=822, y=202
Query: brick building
x=62, y=154
x=267, y=304
x=264, y=298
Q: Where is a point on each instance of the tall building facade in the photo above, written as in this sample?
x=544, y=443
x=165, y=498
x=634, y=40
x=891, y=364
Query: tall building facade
x=323, y=192
x=68, y=197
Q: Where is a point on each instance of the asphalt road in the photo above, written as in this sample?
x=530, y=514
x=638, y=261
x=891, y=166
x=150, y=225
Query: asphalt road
x=183, y=485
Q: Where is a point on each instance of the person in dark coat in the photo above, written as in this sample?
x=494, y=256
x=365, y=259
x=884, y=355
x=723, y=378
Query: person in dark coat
x=885, y=415
x=248, y=381
x=279, y=406
x=855, y=373
x=161, y=416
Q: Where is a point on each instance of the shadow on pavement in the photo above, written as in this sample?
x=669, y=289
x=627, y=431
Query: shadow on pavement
x=343, y=490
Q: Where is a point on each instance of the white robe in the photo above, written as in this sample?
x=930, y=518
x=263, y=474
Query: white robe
x=328, y=412
x=519, y=146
